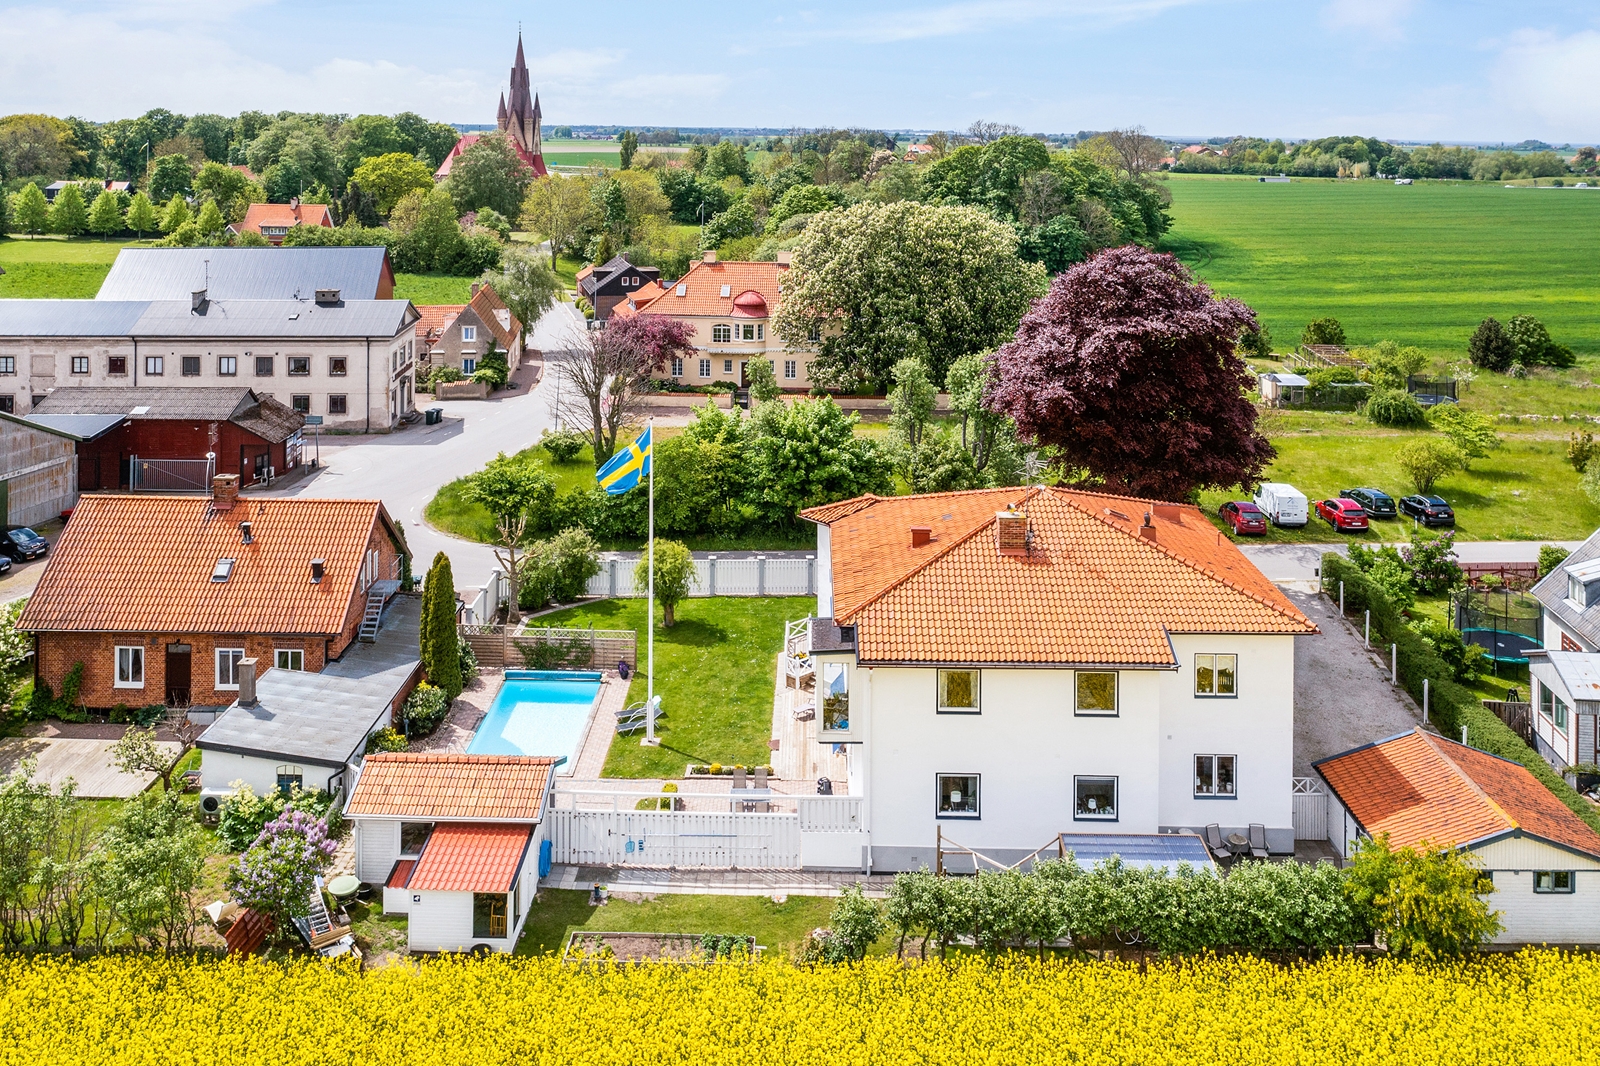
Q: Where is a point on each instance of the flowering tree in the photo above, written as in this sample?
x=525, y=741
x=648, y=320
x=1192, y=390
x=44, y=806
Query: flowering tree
x=1127, y=369
x=605, y=379
x=277, y=875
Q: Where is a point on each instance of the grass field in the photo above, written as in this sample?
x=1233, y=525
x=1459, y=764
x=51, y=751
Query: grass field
x=452, y=512
x=778, y=927
x=715, y=671
x=1419, y=264
x=57, y=268
x=423, y=289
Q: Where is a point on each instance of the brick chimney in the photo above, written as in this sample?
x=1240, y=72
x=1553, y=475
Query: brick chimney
x=1148, y=530
x=709, y=257
x=247, y=682
x=785, y=258
x=1011, y=532
x=921, y=535
x=224, y=491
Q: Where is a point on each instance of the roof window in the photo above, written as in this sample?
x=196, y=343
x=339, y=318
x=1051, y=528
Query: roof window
x=727, y=290
x=223, y=570
x=682, y=290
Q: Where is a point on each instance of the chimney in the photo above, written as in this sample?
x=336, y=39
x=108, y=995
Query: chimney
x=709, y=257
x=785, y=258
x=247, y=682
x=244, y=534
x=474, y=287
x=197, y=302
x=1011, y=532
x=921, y=535
x=327, y=297
x=316, y=571
x=224, y=492
x=294, y=203
x=1148, y=530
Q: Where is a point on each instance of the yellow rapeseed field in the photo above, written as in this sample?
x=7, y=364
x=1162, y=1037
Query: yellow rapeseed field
x=1534, y=1007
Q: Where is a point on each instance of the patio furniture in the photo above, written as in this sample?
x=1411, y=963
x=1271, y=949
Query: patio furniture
x=1258, y=840
x=344, y=888
x=632, y=719
x=1214, y=843
x=805, y=707
x=738, y=777
x=1238, y=844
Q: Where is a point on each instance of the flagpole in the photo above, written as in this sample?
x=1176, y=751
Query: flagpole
x=650, y=612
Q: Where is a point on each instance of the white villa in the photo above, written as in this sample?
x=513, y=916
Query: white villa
x=1004, y=666
x=1566, y=671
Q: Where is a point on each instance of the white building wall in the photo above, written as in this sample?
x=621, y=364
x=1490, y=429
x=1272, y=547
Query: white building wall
x=220, y=769
x=824, y=572
x=1533, y=917
x=442, y=921
x=377, y=848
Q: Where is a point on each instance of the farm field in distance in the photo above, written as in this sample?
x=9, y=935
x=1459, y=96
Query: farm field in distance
x=1421, y=264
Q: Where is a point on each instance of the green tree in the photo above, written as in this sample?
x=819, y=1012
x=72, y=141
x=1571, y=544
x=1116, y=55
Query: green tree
x=175, y=215
x=510, y=488
x=1323, y=331
x=1469, y=431
x=558, y=570
x=557, y=209
x=277, y=875
x=1425, y=903
x=1490, y=347
x=674, y=573
x=435, y=238
x=763, y=380
x=105, y=214
x=989, y=437
x=489, y=174
x=630, y=145
x=1390, y=364
x=726, y=159
x=1531, y=344
x=1427, y=460
x=213, y=132
x=526, y=284
x=807, y=453
x=138, y=753
x=169, y=175
x=154, y=857
x=228, y=188
x=443, y=661
x=68, y=214
x=873, y=279
x=30, y=210
x=210, y=221
x=389, y=177
x=911, y=401
x=141, y=214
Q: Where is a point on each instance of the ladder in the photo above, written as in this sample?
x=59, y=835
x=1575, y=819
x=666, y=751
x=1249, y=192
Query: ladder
x=320, y=928
x=373, y=616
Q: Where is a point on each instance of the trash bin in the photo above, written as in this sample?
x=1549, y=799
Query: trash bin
x=433, y=416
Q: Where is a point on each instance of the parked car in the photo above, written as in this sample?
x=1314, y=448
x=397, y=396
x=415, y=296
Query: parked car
x=1376, y=502
x=5, y=565
x=1346, y=516
x=1283, y=504
x=1243, y=517
x=23, y=544
x=1429, y=510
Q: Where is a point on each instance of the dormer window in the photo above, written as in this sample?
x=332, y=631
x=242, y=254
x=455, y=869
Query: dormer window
x=1583, y=584
x=222, y=571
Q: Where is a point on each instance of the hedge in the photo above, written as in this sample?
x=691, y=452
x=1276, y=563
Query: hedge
x=1450, y=706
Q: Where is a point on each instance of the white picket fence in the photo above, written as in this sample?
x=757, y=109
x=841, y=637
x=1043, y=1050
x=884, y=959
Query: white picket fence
x=758, y=576
x=675, y=838
x=1310, y=809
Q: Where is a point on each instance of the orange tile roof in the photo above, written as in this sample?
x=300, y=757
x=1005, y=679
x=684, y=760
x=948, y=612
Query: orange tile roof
x=258, y=215
x=486, y=302
x=1093, y=590
x=471, y=857
x=703, y=289
x=436, y=787
x=432, y=317
x=143, y=564
x=1420, y=788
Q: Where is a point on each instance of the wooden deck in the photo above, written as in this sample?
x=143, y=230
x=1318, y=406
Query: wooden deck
x=87, y=762
x=798, y=760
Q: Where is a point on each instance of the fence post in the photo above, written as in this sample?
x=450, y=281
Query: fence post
x=711, y=575
x=1424, y=701
x=1394, y=664
x=1341, y=599
x=811, y=575
x=761, y=575
x=613, y=575
x=1367, y=639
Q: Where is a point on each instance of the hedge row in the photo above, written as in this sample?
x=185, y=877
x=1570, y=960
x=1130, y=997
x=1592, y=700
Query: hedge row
x=1450, y=706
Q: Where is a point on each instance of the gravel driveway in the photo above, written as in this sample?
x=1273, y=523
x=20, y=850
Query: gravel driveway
x=1343, y=698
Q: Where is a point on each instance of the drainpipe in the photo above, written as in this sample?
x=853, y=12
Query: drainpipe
x=369, y=385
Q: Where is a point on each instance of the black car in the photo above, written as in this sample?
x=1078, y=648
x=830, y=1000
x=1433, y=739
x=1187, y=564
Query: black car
x=5, y=565
x=23, y=544
x=1376, y=502
x=1429, y=510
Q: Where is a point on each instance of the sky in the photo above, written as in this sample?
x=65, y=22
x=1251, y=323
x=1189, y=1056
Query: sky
x=1399, y=69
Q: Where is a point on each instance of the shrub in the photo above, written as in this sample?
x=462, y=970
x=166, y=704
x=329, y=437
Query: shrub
x=558, y=570
x=1531, y=344
x=1465, y=660
x=1256, y=342
x=1580, y=449
x=386, y=739
x=1431, y=558
x=1490, y=347
x=442, y=374
x=1550, y=557
x=1322, y=377
x=854, y=925
x=1323, y=331
x=424, y=709
x=1394, y=581
x=493, y=370
x=1471, y=432
x=279, y=872
x=1395, y=408
x=244, y=813
x=1427, y=460
x=1424, y=904
x=564, y=444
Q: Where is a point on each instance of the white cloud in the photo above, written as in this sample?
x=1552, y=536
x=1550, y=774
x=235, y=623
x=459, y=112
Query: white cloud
x=976, y=16
x=1547, y=79
x=1380, y=20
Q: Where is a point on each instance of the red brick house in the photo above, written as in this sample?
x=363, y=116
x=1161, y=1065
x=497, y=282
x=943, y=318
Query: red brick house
x=159, y=597
x=459, y=335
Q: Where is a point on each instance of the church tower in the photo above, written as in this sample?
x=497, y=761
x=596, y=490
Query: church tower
x=519, y=118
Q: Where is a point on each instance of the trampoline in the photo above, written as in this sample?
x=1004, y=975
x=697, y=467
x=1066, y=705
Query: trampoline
x=1504, y=623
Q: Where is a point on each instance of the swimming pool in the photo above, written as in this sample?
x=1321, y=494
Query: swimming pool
x=538, y=712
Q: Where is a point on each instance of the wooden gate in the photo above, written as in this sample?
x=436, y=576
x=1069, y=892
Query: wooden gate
x=1310, y=809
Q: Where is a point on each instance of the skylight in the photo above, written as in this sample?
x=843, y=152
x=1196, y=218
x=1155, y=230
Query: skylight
x=223, y=570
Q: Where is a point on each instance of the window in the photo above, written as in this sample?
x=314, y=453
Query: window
x=116, y=365
x=1095, y=799
x=299, y=366
x=1552, y=881
x=290, y=778
x=80, y=364
x=1213, y=775
x=301, y=403
x=1553, y=707
x=1215, y=675
x=489, y=914
x=835, y=696
x=468, y=365
x=337, y=405
x=705, y=368
x=191, y=366
x=469, y=334
x=413, y=836
x=761, y=331
x=263, y=366
x=155, y=365
x=337, y=367
x=814, y=334
x=727, y=366
x=8, y=404
x=289, y=659
x=130, y=668
x=8, y=364
x=747, y=332
x=677, y=367
x=791, y=369
x=222, y=571
x=721, y=334
x=958, y=692
x=958, y=796
x=228, y=667
x=227, y=365
x=1095, y=692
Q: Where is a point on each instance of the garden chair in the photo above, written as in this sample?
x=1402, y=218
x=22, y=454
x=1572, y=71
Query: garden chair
x=1215, y=844
x=632, y=719
x=1258, y=840
x=739, y=777
x=805, y=707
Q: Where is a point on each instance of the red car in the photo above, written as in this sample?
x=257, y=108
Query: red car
x=1244, y=517
x=1346, y=516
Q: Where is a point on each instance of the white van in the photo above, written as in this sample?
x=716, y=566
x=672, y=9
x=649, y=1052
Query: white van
x=1284, y=505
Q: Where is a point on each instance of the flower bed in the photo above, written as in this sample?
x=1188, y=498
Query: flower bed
x=716, y=769
x=656, y=947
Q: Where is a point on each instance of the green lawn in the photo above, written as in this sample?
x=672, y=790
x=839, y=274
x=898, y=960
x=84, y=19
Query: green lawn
x=590, y=158
x=778, y=927
x=1419, y=264
x=432, y=288
x=56, y=267
x=715, y=672
x=450, y=511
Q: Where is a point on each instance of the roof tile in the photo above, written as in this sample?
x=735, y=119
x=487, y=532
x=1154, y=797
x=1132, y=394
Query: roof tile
x=465, y=787
x=703, y=289
x=470, y=857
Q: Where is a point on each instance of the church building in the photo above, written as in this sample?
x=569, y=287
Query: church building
x=519, y=119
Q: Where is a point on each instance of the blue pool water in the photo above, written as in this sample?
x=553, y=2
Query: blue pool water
x=538, y=712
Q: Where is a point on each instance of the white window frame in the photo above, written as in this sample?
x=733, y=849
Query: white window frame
x=291, y=771
x=227, y=366
x=469, y=334
x=1116, y=798
x=155, y=366
x=727, y=366
x=828, y=673
x=134, y=656
x=747, y=332
x=227, y=677
x=286, y=658
x=1116, y=695
x=1215, y=762
x=705, y=368
x=977, y=797
x=468, y=365
x=722, y=333
x=677, y=367
x=939, y=691
x=1214, y=661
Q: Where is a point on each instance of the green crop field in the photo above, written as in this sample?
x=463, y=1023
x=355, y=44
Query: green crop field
x=1419, y=264
x=55, y=267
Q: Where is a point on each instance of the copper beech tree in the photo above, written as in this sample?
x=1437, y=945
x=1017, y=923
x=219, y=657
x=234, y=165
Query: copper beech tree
x=1127, y=369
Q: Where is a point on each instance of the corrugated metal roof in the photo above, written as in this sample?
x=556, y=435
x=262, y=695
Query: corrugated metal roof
x=243, y=273
x=81, y=427
x=275, y=318
x=70, y=318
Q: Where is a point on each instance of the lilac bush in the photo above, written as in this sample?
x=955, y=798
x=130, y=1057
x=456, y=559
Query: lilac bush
x=278, y=873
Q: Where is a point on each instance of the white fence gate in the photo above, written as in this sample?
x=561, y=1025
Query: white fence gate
x=1310, y=809
x=746, y=841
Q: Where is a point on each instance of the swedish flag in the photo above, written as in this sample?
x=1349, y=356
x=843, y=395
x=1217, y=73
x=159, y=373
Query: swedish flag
x=624, y=470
